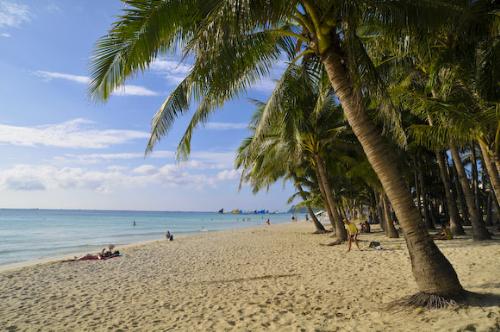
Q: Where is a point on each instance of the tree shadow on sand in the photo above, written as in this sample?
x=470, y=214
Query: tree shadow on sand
x=265, y=277
x=474, y=299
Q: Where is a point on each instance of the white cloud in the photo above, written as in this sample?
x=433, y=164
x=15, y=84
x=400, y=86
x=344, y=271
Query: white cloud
x=13, y=14
x=228, y=174
x=49, y=75
x=145, y=169
x=125, y=90
x=77, y=133
x=265, y=85
x=111, y=179
x=174, y=71
x=134, y=90
x=225, y=125
x=5, y=34
x=198, y=159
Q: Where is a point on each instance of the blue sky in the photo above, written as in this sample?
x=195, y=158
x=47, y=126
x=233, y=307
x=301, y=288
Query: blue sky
x=61, y=150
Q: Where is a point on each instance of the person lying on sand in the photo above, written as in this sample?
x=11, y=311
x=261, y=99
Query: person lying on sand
x=445, y=234
x=104, y=254
x=352, y=234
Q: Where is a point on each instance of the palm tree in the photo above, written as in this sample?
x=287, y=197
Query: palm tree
x=303, y=123
x=235, y=42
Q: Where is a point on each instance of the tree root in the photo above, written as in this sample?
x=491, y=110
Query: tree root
x=428, y=301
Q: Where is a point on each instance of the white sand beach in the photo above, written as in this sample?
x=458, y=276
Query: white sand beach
x=267, y=278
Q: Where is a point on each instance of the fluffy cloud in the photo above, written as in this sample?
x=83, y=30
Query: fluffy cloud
x=13, y=14
x=126, y=90
x=111, y=179
x=173, y=71
x=77, y=133
x=198, y=159
x=228, y=174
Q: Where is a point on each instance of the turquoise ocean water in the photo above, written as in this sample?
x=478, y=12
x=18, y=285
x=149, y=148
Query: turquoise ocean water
x=27, y=235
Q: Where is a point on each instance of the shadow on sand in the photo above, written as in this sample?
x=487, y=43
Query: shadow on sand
x=474, y=299
x=265, y=277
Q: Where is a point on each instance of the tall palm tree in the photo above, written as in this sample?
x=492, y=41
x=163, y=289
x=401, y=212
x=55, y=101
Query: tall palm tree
x=304, y=122
x=235, y=42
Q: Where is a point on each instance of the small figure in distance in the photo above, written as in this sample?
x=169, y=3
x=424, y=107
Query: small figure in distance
x=365, y=227
x=134, y=224
x=293, y=218
x=168, y=235
x=445, y=233
x=352, y=233
x=307, y=217
x=268, y=222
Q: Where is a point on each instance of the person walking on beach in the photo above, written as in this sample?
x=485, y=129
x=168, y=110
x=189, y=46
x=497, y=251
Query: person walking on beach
x=134, y=224
x=168, y=235
x=268, y=222
x=353, y=232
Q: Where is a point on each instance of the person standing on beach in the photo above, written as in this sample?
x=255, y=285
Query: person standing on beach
x=353, y=232
x=134, y=224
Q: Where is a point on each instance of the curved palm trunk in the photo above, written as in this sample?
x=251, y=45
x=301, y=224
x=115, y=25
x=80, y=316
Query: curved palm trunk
x=432, y=271
x=323, y=194
x=340, y=231
x=319, y=226
x=455, y=226
x=390, y=230
x=479, y=231
x=491, y=170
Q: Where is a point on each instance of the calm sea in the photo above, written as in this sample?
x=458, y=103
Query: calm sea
x=27, y=235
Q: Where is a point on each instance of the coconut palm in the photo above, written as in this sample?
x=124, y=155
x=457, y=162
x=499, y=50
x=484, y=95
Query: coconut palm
x=303, y=125
x=234, y=43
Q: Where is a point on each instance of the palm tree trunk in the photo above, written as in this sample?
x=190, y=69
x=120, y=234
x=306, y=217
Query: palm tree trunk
x=479, y=231
x=380, y=212
x=423, y=192
x=390, y=230
x=432, y=271
x=417, y=191
x=340, y=231
x=319, y=226
x=328, y=209
x=455, y=225
x=491, y=170
x=460, y=196
x=475, y=177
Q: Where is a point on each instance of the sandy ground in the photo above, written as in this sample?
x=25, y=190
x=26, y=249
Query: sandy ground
x=267, y=278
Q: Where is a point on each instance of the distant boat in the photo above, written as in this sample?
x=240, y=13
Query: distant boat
x=236, y=211
x=221, y=211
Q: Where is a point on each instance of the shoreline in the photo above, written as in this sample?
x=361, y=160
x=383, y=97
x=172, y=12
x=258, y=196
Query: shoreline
x=58, y=258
